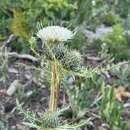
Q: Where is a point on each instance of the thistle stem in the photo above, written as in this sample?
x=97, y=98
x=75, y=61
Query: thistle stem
x=55, y=87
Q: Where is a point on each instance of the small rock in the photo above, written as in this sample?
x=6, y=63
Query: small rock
x=101, y=32
x=101, y=128
x=13, y=127
x=12, y=88
x=21, y=127
x=126, y=105
x=13, y=70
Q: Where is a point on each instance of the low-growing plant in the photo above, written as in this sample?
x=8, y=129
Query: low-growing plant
x=44, y=122
x=78, y=41
x=123, y=12
x=82, y=92
x=106, y=57
x=2, y=126
x=109, y=19
x=19, y=25
x=5, y=21
x=122, y=76
x=117, y=43
x=110, y=109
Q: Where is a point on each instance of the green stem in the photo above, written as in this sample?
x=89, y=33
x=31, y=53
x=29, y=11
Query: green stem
x=55, y=87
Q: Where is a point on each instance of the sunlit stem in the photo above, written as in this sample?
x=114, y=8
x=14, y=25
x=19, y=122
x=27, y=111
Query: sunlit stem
x=55, y=87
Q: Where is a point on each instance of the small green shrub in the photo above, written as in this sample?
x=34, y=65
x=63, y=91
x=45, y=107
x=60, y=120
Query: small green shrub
x=81, y=93
x=20, y=17
x=123, y=76
x=47, y=11
x=110, y=109
x=5, y=21
x=117, y=43
x=122, y=8
x=104, y=54
x=78, y=41
x=110, y=19
x=84, y=11
x=19, y=25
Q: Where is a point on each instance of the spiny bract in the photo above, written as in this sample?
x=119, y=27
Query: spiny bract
x=72, y=60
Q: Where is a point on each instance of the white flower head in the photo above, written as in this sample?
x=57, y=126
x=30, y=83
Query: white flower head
x=93, y=2
x=54, y=34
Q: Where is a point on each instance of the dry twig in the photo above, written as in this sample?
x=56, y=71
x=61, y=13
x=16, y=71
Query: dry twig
x=22, y=56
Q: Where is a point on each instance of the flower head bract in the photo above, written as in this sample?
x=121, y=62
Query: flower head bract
x=54, y=34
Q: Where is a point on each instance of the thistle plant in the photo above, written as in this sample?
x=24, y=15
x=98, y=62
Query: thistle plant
x=51, y=37
x=60, y=60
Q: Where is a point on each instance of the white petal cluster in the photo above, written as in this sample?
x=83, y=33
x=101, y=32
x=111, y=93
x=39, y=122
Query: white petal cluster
x=54, y=33
x=93, y=2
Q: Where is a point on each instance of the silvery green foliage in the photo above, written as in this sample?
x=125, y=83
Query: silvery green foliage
x=80, y=98
x=104, y=54
x=50, y=120
x=84, y=11
x=122, y=73
x=111, y=110
x=81, y=91
x=2, y=126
